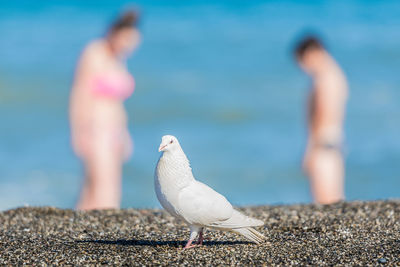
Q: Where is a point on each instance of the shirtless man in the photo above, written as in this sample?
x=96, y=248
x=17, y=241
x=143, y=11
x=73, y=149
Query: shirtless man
x=323, y=159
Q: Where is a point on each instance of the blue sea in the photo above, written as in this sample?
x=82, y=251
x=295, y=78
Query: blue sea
x=220, y=76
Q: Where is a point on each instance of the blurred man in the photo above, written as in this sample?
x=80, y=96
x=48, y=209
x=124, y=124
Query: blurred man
x=323, y=160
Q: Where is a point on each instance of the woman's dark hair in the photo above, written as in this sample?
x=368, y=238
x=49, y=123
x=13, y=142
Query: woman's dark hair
x=306, y=43
x=128, y=19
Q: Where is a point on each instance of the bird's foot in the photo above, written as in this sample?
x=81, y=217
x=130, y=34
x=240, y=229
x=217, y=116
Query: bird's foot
x=190, y=245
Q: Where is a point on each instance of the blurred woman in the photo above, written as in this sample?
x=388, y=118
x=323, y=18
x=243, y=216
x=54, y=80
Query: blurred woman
x=98, y=118
x=323, y=160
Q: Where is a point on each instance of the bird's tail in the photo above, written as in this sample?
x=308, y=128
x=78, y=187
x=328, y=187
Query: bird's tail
x=250, y=234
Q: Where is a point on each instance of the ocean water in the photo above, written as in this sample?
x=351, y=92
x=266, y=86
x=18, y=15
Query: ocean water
x=219, y=75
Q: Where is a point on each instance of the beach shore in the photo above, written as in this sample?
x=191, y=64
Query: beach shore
x=349, y=233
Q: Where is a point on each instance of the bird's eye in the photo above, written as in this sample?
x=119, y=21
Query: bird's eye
x=171, y=142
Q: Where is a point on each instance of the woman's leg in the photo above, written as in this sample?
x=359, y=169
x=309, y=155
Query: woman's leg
x=327, y=176
x=102, y=188
x=84, y=199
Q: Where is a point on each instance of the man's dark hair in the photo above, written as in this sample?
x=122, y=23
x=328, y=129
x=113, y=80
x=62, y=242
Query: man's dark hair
x=129, y=19
x=308, y=42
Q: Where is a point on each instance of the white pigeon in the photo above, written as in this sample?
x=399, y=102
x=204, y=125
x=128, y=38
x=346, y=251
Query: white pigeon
x=194, y=202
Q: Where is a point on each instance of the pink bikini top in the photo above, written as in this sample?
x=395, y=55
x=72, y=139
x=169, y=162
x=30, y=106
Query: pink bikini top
x=114, y=85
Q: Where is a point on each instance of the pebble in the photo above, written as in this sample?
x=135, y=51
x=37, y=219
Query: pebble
x=382, y=260
x=346, y=233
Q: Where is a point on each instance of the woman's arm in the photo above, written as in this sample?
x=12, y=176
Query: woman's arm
x=80, y=98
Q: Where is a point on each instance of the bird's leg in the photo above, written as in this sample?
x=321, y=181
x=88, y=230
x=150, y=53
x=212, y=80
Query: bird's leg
x=201, y=238
x=194, y=232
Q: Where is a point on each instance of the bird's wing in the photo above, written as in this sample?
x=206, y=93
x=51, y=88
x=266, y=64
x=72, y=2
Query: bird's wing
x=200, y=204
x=236, y=221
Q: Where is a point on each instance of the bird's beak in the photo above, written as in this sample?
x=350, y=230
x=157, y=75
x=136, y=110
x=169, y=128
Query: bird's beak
x=161, y=148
